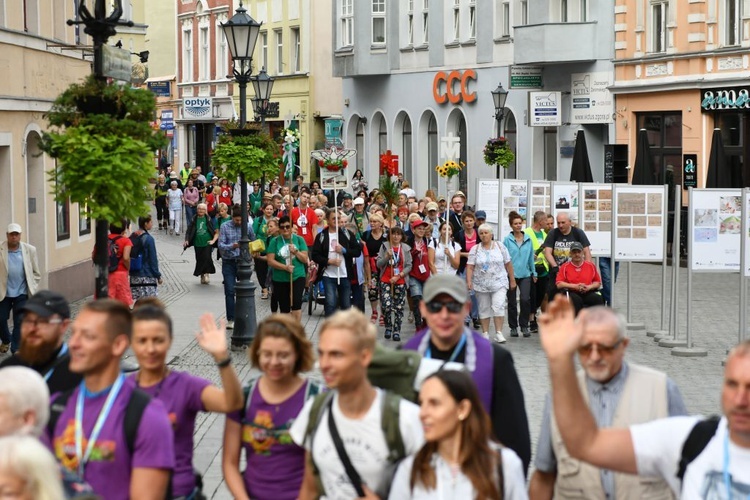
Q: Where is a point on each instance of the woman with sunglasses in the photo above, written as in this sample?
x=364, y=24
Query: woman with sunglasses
x=459, y=458
x=287, y=255
x=394, y=263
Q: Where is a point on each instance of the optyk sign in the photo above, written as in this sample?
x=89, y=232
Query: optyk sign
x=195, y=108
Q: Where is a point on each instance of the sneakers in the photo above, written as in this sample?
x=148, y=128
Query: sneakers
x=387, y=335
x=533, y=327
x=230, y=325
x=4, y=348
x=514, y=332
x=525, y=332
x=486, y=335
x=477, y=324
x=382, y=320
x=410, y=317
x=500, y=339
x=397, y=337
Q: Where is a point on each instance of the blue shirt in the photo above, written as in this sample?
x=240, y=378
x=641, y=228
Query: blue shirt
x=16, y=275
x=522, y=256
x=229, y=234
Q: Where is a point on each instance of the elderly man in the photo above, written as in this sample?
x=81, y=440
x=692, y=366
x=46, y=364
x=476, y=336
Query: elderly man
x=19, y=279
x=445, y=304
x=433, y=219
x=618, y=394
x=697, y=458
x=579, y=280
x=557, y=246
x=45, y=321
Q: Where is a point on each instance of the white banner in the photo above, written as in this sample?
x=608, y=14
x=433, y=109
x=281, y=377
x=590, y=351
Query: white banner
x=590, y=98
x=597, y=217
x=715, y=229
x=565, y=199
x=487, y=193
x=544, y=109
x=639, y=222
x=514, y=199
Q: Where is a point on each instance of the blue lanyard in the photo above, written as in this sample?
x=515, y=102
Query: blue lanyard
x=727, y=476
x=62, y=353
x=454, y=354
x=83, y=458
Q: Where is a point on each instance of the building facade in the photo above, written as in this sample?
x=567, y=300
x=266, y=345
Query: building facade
x=681, y=71
x=419, y=72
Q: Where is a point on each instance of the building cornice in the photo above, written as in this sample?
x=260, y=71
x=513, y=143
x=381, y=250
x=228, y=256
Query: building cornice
x=38, y=43
x=25, y=104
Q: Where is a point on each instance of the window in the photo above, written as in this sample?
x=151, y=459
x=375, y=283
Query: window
x=584, y=6
x=425, y=21
x=659, y=11
x=406, y=149
x=296, y=54
x=524, y=12
x=279, y=52
x=505, y=8
x=264, y=49
x=473, y=20
x=732, y=22
x=84, y=219
x=222, y=54
x=360, y=144
x=410, y=22
x=563, y=11
x=2, y=13
x=378, y=22
x=347, y=23
x=665, y=140
x=187, y=56
x=205, y=60
x=456, y=19
x=432, y=150
x=62, y=217
x=382, y=136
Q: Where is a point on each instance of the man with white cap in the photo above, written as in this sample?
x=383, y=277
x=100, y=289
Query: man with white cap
x=19, y=278
x=359, y=215
x=433, y=218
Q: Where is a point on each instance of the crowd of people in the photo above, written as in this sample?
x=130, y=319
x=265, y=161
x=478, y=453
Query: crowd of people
x=73, y=425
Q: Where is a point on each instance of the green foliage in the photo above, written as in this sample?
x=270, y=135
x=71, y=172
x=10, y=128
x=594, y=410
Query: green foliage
x=388, y=187
x=103, y=160
x=250, y=155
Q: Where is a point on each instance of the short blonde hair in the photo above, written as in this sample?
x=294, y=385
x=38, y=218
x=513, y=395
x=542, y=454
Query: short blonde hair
x=354, y=321
x=377, y=218
x=27, y=459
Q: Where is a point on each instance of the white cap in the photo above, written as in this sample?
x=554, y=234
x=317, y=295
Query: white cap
x=14, y=228
x=359, y=200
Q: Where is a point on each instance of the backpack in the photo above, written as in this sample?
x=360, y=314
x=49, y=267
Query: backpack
x=311, y=390
x=395, y=370
x=112, y=250
x=696, y=442
x=136, y=253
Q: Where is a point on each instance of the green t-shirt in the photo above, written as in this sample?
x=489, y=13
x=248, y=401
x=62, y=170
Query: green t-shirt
x=279, y=247
x=202, y=236
x=221, y=221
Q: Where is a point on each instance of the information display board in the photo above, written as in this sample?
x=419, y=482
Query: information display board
x=540, y=196
x=640, y=214
x=597, y=217
x=514, y=199
x=746, y=213
x=487, y=198
x=565, y=199
x=715, y=229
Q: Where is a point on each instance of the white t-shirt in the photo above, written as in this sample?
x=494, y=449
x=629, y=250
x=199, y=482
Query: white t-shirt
x=174, y=199
x=448, y=487
x=443, y=264
x=364, y=442
x=658, y=446
x=334, y=271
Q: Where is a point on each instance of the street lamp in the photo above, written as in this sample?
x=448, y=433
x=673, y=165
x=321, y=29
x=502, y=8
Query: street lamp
x=241, y=32
x=262, y=86
x=499, y=96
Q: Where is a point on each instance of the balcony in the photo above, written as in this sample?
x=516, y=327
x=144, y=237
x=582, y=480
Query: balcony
x=551, y=43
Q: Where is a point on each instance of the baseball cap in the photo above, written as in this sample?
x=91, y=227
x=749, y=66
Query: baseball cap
x=441, y=198
x=14, y=228
x=418, y=222
x=431, y=206
x=576, y=246
x=347, y=196
x=45, y=303
x=173, y=175
x=359, y=201
x=448, y=284
x=480, y=214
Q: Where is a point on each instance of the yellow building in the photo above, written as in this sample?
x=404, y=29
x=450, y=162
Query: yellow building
x=295, y=47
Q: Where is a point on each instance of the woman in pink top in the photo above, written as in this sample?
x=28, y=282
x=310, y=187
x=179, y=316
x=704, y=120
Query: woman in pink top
x=191, y=196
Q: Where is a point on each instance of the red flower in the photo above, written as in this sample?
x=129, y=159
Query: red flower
x=346, y=163
x=321, y=163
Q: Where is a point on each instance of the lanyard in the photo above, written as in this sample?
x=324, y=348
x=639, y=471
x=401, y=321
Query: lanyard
x=396, y=255
x=727, y=476
x=454, y=354
x=62, y=353
x=101, y=419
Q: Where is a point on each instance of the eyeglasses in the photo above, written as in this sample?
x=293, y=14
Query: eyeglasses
x=285, y=226
x=435, y=307
x=41, y=321
x=604, y=350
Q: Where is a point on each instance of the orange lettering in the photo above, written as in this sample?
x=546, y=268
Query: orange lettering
x=468, y=75
x=440, y=98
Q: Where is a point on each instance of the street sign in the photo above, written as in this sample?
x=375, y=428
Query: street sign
x=167, y=126
x=116, y=63
x=162, y=89
x=526, y=77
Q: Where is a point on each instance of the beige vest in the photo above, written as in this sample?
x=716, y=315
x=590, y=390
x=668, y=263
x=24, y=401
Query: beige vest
x=643, y=398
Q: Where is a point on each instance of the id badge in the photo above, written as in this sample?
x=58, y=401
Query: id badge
x=396, y=270
x=422, y=269
x=304, y=230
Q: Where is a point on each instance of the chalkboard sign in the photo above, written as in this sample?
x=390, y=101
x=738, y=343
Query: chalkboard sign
x=616, y=163
x=609, y=166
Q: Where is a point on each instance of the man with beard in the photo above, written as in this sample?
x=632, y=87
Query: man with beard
x=619, y=394
x=45, y=321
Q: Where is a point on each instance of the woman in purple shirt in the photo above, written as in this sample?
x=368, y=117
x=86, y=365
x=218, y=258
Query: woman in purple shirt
x=275, y=465
x=183, y=395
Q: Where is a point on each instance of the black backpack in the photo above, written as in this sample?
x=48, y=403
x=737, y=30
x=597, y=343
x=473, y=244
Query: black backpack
x=136, y=253
x=696, y=442
x=112, y=250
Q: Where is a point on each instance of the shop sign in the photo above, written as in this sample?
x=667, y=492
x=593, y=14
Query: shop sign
x=444, y=86
x=116, y=63
x=544, y=109
x=690, y=171
x=197, y=107
x=162, y=89
x=733, y=99
x=590, y=98
x=526, y=77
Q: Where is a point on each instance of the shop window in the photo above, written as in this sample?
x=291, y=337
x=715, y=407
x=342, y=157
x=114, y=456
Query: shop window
x=406, y=151
x=84, y=219
x=659, y=13
x=432, y=150
x=62, y=216
x=731, y=22
x=382, y=136
x=359, y=144
x=509, y=132
x=733, y=128
x=378, y=22
x=665, y=138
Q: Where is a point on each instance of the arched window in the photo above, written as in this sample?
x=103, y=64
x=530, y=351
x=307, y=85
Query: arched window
x=510, y=133
x=382, y=136
x=406, y=152
x=359, y=144
x=432, y=151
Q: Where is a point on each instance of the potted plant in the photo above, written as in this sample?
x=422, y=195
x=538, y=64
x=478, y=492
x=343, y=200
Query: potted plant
x=253, y=155
x=498, y=152
x=449, y=171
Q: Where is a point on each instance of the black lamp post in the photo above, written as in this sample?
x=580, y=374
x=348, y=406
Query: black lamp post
x=499, y=96
x=242, y=32
x=262, y=86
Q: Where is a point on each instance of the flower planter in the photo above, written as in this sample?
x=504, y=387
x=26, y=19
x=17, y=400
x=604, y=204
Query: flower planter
x=98, y=105
x=243, y=132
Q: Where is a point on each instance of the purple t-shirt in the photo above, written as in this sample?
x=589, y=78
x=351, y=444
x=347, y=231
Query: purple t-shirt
x=110, y=464
x=181, y=394
x=275, y=465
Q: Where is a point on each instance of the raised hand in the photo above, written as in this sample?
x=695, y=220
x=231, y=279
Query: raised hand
x=212, y=337
x=559, y=331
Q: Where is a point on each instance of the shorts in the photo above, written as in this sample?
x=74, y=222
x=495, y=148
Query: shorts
x=492, y=304
x=415, y=287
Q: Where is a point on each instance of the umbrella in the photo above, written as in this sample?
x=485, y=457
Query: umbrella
x=718, y=174
x=643, y=171
x=580, y=170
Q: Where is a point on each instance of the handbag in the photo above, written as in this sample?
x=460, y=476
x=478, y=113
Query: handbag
x=257, y=246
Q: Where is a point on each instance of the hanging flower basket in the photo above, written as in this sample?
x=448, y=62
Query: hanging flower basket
x=498, y=152
x=450, y=168
x=333, y=165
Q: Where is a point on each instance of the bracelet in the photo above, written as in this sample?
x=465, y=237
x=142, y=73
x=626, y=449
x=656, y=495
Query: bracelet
x=224, y=363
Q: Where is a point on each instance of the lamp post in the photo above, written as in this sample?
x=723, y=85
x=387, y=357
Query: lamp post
x=241, y=32
x=262, y=86
x=499, y=96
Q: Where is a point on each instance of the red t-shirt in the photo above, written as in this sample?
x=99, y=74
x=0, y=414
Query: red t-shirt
x=586, y=274
x=305, y=220
x=121, y=243
x=387, y=273
x=226, y=196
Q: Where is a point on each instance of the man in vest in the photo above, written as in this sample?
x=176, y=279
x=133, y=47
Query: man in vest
x=539, y=289
x=618, y=394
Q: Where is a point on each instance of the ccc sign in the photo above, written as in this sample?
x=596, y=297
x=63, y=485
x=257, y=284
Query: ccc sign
x=453, y=87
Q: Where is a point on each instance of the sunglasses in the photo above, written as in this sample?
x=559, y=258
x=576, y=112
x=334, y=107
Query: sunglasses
x=437, y=306
x=285, y=226
x=604, y=350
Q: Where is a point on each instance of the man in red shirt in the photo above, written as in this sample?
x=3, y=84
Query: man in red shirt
x=579, y=280
x=304, y=218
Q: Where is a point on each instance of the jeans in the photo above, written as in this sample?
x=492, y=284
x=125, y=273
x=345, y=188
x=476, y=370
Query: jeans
x=474, y=314
x=7, y=305
x=605, y=269
x=523, y=285
x=229, y=271
x=338, y=291
x=358, y=296
x=190, y=213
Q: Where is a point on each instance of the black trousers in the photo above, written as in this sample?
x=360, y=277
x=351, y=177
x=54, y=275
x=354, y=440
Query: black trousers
x=581, y=300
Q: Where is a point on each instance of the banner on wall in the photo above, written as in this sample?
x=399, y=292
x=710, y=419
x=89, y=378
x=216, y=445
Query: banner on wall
x=639, y=223
x=544, y=109
x=487, y=193
x=514, y=199
x=565, y=199
x=597, y=217
x=715, y=229
x=590, y=98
